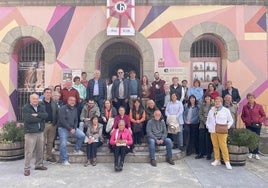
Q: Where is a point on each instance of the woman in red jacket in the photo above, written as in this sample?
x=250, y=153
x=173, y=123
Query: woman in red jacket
x=212, y=91
x=121, y=141
x=252, y=115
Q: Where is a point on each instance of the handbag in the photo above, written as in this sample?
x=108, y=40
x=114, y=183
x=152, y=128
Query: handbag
x=173, y=124
x=136, y=127
x=109, y=124
x=221, y=128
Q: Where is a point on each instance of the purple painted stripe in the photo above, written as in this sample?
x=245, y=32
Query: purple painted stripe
x=3, y=119
x=14, y=101
x=62, y=65
x=262, y=22
x=58, y=31
x=58, y=14
x=257, y=92
x=153, y=14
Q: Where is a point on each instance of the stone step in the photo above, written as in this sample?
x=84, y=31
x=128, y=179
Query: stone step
x=137, y=157
x=104, y=148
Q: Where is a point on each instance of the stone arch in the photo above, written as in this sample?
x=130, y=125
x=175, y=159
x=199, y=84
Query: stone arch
x=101, y=41
x=9, y=41
x=222, y=32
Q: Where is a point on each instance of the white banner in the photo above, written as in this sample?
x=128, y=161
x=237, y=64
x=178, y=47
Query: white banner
x=121, y=17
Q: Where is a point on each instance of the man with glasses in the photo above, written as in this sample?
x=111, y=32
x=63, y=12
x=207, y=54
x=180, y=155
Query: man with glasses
x=120, y=91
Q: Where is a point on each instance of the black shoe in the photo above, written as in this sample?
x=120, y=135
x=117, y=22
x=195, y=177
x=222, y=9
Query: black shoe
x=120, y=167
x=170, y=161
x=116, y=168
x=208, y=157
x=52, y=160
x=199, y=156
x=153, y=162
x=175, y=146
x=181, y=148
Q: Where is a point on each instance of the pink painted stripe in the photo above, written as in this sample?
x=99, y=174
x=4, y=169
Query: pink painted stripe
x=168, y=54
x=5, y=11
x=3, y=119
x=58, y=14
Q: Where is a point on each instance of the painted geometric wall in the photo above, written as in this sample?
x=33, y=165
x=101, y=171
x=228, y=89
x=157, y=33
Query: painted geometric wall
x=73, y=28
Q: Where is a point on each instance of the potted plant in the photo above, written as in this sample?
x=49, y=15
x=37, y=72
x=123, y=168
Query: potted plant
x=11, y=141
x=239, y=142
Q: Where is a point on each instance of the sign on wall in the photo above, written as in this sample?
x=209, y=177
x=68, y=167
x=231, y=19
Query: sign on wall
x=121, y=17
x=168, y=73
x=31, y=76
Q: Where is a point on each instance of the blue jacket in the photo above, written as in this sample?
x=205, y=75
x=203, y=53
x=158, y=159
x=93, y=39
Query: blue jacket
x=195, y=114
x=102, y=89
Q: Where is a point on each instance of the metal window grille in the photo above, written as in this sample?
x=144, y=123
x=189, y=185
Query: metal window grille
x=31, y=66
x=205, y=48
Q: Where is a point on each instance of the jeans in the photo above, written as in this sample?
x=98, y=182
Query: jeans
x=64, y=134
x=99, y=100
x=178, y=138
x=258, y=132
x=191, y=132
x=167, y=143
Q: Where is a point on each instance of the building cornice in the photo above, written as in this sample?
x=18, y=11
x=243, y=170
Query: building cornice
x=137, y=2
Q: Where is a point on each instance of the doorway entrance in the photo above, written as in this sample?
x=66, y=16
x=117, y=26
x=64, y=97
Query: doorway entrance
x=120, y=55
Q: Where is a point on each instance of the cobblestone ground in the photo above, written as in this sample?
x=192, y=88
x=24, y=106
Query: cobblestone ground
x=187, y=172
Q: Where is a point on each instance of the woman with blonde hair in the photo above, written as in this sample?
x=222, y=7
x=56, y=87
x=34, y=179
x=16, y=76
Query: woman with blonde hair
x=219, y=116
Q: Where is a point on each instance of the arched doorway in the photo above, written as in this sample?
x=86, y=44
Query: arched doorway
x=120, y=55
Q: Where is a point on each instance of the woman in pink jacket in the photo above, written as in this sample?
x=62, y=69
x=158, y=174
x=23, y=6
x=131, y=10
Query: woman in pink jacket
x=121, y=140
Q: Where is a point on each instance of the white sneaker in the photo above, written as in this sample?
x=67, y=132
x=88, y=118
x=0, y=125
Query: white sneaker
x=228, y=165
x=257, y=157
x=216, y=163
x=66, y=163
x=250, y=156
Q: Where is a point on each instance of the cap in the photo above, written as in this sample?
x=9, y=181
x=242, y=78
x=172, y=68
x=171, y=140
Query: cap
x=216, y=78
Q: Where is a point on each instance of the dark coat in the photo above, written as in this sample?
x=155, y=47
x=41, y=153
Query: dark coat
x=55, y=109
x=235, y=94
x=34, y=124
x=102, y=89
x=177, y=90
x=115, y=89
x=68, y=117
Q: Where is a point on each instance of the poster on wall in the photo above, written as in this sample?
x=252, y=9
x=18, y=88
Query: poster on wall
x=169, y=72
x=120, y=17
x=70, y=74
x=205, y=71
x=31, y=76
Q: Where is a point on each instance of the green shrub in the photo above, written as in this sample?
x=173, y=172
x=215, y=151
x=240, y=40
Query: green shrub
x=243, y=137
x=11, y=132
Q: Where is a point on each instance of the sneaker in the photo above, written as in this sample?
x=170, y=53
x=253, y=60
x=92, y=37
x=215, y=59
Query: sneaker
x=216, y=163
x=257, y=157
x=153, y=162
x=228, y=165
x=250, y=156
x=79, y=152
x=66, y=163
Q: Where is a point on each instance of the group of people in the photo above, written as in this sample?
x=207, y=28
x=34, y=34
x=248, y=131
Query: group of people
x=125, y=110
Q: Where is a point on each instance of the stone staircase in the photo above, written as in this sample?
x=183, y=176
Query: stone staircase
x=141, y=154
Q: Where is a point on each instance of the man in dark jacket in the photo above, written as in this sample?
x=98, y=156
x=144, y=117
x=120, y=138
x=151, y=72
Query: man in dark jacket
x=97, y=90
x=34, y=123
x=50, y=123
x=231, y=91
x=67, y=123
x=120, y=91
x=157, y=135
